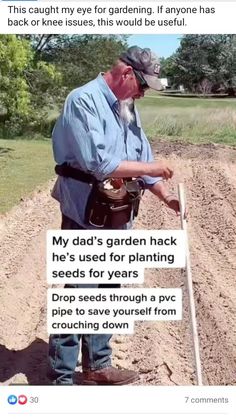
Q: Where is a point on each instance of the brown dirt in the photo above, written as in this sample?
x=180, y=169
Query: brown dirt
x=160, y=351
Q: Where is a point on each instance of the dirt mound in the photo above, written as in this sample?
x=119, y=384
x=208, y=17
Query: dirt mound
x=160, y=351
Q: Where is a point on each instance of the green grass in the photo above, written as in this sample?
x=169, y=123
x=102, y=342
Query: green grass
x=23, y=166
x=189, y=119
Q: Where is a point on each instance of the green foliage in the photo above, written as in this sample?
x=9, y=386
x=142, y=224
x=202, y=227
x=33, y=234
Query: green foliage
x=25, y=85
x=81, y=58
x=204, y=63
x=15, y=57
x=37, y=72
x=45, y=82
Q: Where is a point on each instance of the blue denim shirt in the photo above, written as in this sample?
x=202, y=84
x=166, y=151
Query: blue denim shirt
x=89, y=135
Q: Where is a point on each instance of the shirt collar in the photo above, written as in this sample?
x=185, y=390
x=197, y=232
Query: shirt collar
x=108, y=93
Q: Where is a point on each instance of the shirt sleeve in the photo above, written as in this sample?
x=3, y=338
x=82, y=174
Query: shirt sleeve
x=84, y=130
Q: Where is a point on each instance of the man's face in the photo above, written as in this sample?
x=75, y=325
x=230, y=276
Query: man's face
x=132, y=86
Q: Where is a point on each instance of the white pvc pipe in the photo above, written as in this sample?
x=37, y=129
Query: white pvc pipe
x=190, y=287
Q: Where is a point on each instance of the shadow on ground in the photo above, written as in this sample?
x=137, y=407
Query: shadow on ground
x=31, y=361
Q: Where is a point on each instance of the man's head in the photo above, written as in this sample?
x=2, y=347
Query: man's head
x=145, y=65
x=136, y=70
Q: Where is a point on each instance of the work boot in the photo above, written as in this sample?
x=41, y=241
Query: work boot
x=109, y=376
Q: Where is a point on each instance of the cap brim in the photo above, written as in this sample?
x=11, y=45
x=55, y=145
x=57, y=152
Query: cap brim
x=153, y=82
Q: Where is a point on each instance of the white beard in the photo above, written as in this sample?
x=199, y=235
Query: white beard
x=126, y=110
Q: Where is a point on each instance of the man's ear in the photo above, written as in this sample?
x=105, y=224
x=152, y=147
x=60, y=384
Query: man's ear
x=128, y=70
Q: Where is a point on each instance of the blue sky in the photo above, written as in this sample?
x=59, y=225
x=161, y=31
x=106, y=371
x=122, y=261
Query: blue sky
x=162, y=45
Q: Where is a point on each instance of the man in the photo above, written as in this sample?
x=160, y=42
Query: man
x=99, y=133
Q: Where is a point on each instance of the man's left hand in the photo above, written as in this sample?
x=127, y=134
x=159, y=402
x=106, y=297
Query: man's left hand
x=170, y=199
x=172, y=202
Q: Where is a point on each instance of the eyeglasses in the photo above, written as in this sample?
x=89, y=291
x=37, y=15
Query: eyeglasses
x=141, y=79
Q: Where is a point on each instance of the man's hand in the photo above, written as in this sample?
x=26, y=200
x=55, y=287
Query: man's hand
x=160, y=189
x=162, y=169
x=172, y=202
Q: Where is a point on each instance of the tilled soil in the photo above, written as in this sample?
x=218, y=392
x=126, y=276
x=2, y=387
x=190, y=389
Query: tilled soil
x=161, y=352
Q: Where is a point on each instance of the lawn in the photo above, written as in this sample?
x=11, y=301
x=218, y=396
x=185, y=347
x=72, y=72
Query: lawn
x=23, y=166
x=189, y=119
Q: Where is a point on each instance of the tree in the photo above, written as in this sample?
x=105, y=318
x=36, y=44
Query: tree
x=78, y=58
x=205, y=58
x=37, y=71
x=168, y=69
x=15, y=57
x=25, y=84
x=42, y=43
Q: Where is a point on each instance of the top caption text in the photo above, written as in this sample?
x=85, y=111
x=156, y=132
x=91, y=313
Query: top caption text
x=117, y=17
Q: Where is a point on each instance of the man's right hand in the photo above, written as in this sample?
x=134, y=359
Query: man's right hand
x=161, y=168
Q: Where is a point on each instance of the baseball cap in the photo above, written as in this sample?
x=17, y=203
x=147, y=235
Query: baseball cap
x=146, y=62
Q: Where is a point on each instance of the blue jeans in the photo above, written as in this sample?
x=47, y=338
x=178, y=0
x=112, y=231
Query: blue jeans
x=64, y=349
